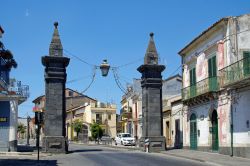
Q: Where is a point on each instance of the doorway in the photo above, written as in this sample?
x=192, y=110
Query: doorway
x=177, y=133
x=167, y=134
x=215, y=137
x=193, y=132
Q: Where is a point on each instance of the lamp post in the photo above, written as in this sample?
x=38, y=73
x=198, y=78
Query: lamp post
x=28, y=130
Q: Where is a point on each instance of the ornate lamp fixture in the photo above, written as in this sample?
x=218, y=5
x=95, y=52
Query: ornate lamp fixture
x=105, y=68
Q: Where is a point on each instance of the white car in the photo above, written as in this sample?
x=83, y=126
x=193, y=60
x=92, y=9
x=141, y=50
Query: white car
x=124, y=139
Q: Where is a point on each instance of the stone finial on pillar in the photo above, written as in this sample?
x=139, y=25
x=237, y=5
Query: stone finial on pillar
x=151, y=56
x=55, y=48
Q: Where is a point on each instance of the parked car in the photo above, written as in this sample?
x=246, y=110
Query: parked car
x=124, y=139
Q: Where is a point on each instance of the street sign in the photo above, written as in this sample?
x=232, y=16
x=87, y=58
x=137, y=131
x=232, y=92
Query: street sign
x=3, y=119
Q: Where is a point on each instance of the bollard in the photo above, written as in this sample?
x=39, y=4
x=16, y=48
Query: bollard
x=146, y=145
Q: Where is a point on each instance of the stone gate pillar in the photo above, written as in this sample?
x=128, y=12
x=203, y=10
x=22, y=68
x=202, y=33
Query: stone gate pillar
x=54, y=140
x=151, y=84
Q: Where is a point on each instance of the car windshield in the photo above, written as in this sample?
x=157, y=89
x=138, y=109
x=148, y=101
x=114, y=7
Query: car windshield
x=126, y=135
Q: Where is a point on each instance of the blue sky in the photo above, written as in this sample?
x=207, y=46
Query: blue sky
x=116, y=30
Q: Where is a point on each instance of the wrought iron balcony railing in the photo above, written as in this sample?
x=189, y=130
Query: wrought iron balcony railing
x=204, y=86
x=16, y=88
x=3, y=84
x=235, y=72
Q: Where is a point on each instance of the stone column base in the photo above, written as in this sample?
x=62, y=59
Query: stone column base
x=13, y=146
x=55, y=144
x=156, y=144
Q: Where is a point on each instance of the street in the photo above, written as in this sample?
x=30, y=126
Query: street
x=98, y=155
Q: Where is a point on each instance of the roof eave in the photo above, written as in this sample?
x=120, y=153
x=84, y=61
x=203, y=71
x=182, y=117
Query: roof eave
x=181, y=52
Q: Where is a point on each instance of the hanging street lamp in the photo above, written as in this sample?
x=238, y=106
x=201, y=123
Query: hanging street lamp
x=105, y=68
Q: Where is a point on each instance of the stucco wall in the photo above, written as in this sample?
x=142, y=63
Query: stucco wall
x=241, y=115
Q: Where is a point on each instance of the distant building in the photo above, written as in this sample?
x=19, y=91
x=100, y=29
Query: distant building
x=216, y=83
x=131, y=111
x=85, y=109
x=74, y=99
x=172, y=111
x=12, y=93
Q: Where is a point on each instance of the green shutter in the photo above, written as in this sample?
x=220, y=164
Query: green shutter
x=194, y=76
x=246, y=62
x=191, y=77
x=209, y=67
x=214, y=66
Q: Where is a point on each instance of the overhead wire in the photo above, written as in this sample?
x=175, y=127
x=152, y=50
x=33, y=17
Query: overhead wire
x=77, y=79
x=118, y=83
x=130, y=63
x=92, y=80
x=80, y=59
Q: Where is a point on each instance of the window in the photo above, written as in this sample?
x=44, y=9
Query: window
x=70, y=93
x=192, y=82
x=246, y=62
x=192, y=73
x=212, y=67
x=212, y=73
x=109, y=116
x=98, y=118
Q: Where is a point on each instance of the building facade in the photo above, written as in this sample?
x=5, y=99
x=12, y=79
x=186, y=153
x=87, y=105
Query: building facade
x=216, y=88
x=172, y=112
x=131, y=111
x=12, y=93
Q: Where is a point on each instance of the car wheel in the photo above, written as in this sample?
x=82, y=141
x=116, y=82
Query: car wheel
x=115, y=143
x=121, y=143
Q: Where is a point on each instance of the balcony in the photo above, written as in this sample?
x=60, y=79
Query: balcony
x=126, y=113
x=236, y=74
x=201, y=88
x=3, y=84
x=15, y=91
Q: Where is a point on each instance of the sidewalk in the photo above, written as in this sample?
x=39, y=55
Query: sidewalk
x=208, y=157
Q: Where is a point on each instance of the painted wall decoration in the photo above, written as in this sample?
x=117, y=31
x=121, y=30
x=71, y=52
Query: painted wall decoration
x=220, y=55
x=201, y=67
x=223, y=120
x=186, y=82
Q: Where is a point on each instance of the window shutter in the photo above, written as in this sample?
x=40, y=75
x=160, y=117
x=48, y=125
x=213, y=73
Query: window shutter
x=214, y=67
x=191, y=77
x=246, y=62
x=209, y=68
x=194, y=76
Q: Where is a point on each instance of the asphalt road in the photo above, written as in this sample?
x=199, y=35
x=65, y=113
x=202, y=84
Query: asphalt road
x=82, y=155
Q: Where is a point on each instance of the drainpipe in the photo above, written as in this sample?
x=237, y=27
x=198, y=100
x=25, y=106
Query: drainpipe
x=231, y=128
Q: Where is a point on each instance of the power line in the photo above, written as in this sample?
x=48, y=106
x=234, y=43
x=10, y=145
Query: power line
x=175, y=71
x=77, y=79
x=130, y=63
x=69, y=53
x=92, y=80
x=118, y=83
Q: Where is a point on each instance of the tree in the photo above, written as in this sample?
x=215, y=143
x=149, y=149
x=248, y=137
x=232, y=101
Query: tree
x=77, y=126
x=96, y=131
x=21, y=129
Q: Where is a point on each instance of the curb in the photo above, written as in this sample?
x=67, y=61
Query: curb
x=23, y=154
x=190, y=158
x=113, y=146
